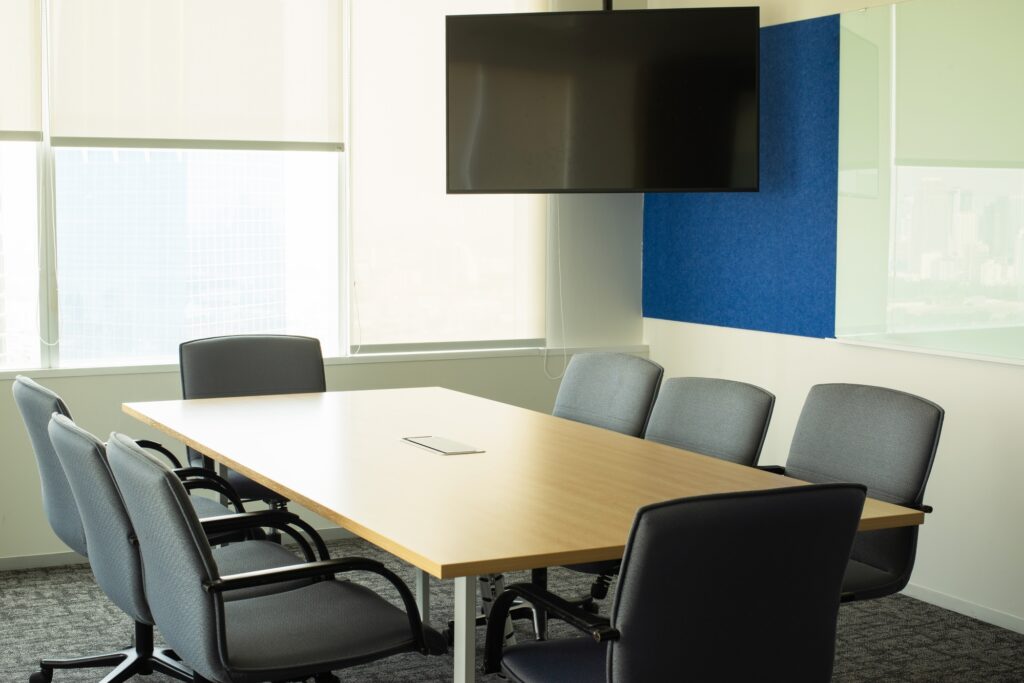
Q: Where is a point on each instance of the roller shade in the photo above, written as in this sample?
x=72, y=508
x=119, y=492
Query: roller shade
x=20, y=70
x=265, y=71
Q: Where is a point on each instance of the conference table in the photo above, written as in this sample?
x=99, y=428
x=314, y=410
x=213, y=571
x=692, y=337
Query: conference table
x=543, y=492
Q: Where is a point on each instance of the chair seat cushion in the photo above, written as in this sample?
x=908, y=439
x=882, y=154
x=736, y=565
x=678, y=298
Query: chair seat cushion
x=248, y=489
x=864, y=581
x=247, y=556
x=568, y=660
x=207, y=507
x=609, y=567
x=319, y=627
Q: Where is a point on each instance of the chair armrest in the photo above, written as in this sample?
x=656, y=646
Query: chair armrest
x=922, y=507
x=292, y=572
x=774, y=469
x=598, y=627
x=202, y=478
x=159, y=448
x=323, y=569
x=282, y=520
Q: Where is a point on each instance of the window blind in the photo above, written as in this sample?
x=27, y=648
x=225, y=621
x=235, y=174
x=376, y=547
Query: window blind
x=20, y=70
x=429, y=267
x=229, y=71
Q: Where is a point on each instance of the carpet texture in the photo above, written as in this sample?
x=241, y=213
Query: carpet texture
x=61, y=612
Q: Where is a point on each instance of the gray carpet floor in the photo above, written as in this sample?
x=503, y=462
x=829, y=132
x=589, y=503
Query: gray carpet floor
x=61, y=612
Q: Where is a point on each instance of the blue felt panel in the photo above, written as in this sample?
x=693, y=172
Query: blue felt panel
x=762, y=260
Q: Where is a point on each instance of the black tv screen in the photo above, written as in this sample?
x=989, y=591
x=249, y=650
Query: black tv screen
x=604, y=101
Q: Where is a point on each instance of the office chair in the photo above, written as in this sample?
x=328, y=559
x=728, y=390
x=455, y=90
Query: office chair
x=717, y=417
x=249, y=365
x=314, y=629
x=615, y=391
x=36, y=404
x=884, y=439
x=692, y=591
x=611, y=390
x=115, y=561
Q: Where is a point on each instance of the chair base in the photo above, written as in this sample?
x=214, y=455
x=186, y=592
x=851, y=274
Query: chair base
x=139, y=660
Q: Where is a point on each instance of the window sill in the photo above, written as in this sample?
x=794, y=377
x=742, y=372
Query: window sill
x=367, y=358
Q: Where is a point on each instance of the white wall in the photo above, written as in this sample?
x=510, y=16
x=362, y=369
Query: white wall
x=970, y=558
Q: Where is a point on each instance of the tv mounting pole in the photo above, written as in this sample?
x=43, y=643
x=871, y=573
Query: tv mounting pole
x=608, y=5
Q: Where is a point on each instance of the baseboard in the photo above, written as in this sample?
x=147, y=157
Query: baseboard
x=11, y=564
x=970, y=609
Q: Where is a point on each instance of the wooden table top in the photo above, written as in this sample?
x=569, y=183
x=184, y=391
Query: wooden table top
x=545, y=492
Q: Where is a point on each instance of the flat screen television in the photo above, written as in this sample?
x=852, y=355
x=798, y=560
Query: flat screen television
x=603, y=101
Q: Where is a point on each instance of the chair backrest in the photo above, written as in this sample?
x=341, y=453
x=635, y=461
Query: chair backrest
x=176, y=557
x=882, y=438
x=36, y=404
x=734, y=587
x=249, y=365
x=108, y=531
x=718, y=417
x=611, y=390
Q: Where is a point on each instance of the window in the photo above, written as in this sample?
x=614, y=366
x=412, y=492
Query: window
x=156, y=246
x=171, y=172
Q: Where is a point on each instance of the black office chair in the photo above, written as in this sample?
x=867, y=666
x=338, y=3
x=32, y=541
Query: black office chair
x=296, y=634
x=692, y=603
x=249, y=365
x=717, y=417
x=115, y=561
x=884, y=439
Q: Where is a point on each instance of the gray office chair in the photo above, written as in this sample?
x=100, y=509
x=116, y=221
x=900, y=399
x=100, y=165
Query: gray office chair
x=611, y=390
x=691, y=603
x=36, y=404
x=717, y=417
x=884, y=439
x=615, y=391
x=115, y=561
x=296, y=634
x=249, y=365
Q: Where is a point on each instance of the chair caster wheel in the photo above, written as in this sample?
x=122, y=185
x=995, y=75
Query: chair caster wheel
x=591, y=606
x=41, y=677
x=326, y=678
